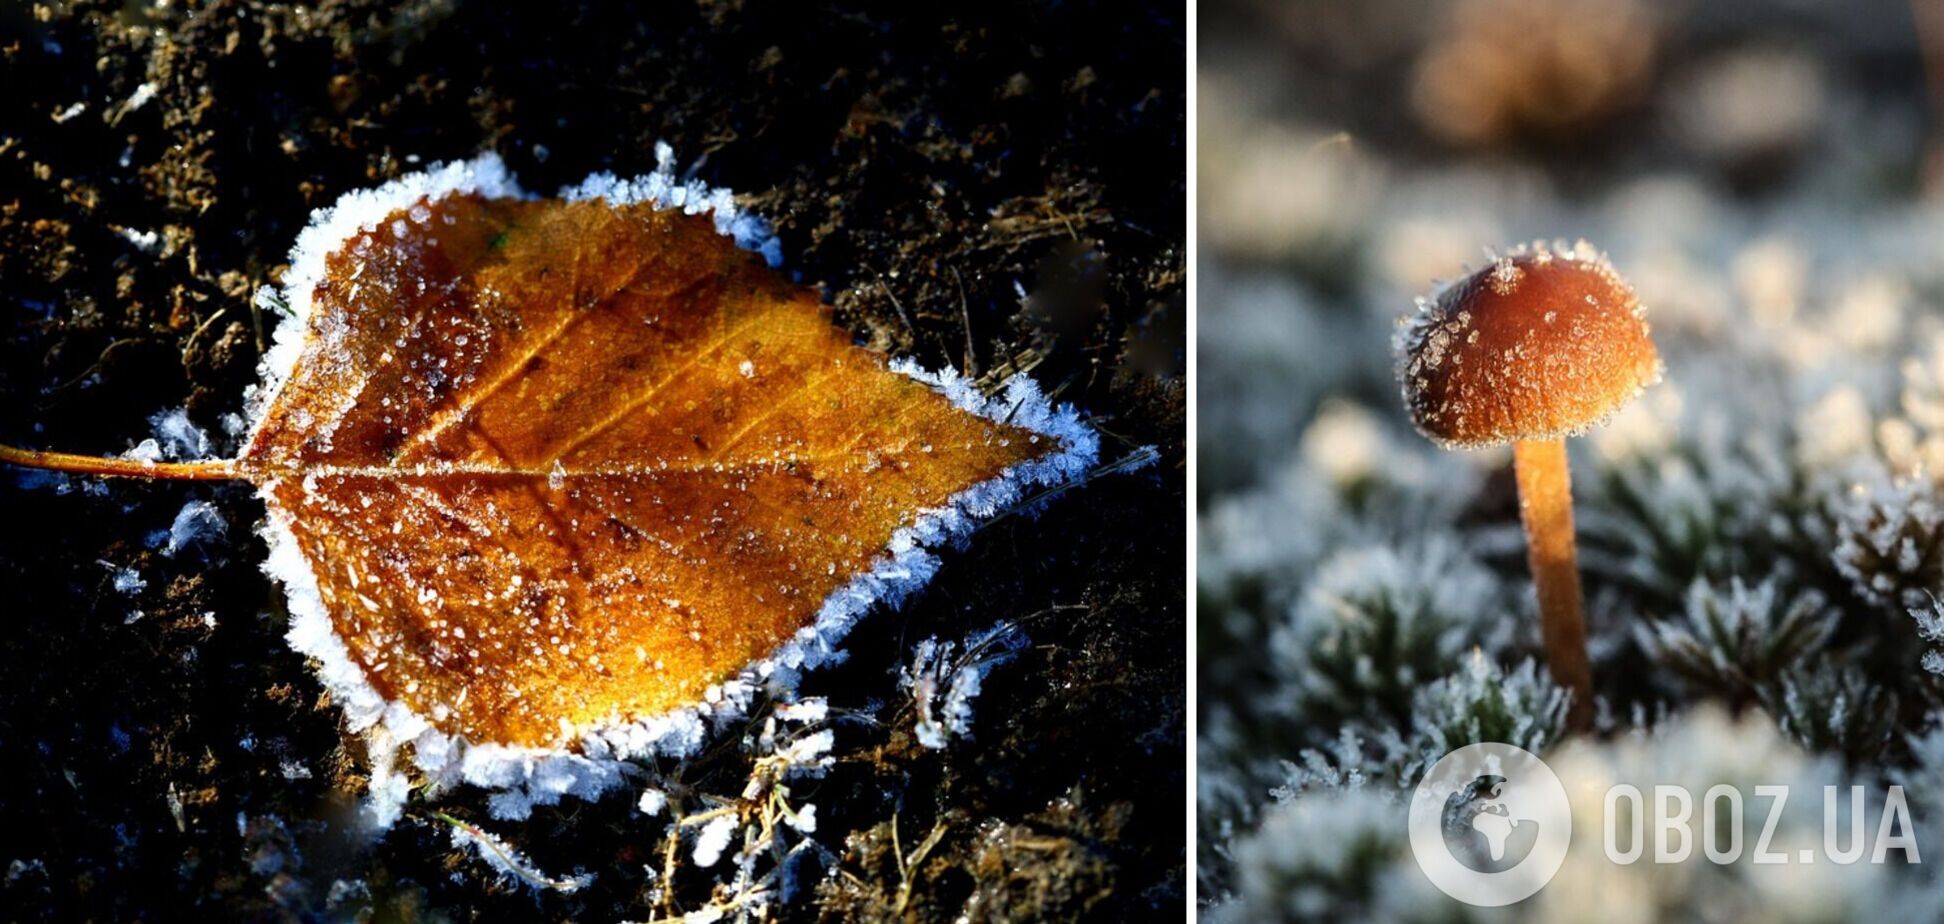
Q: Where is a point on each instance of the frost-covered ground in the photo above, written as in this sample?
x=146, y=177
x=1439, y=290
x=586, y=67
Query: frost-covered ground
x=1007, y=745
x=1760, y=535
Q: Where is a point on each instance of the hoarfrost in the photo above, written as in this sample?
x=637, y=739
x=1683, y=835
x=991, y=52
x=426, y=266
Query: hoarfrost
x=1704, y=748
x=1930, y=627
x=126, y=580
x=176, y=439
x=713, y=839
x=509, y=862
x=944, y=679
x=197, y=525
x=1483, y=702
x=1739, y=639
x=1379, y=621
x=1327, y=859
x=145, y=241
x=1890, y=539
x=141, y=97
x=804, y=819
x=808, y=711
x=148, y=450
x=1343, y=854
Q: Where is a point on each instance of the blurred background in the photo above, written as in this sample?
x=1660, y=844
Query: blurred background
x=1769, y=176
x=1351, y=154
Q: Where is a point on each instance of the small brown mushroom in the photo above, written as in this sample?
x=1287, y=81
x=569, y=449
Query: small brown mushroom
x=1544, y=343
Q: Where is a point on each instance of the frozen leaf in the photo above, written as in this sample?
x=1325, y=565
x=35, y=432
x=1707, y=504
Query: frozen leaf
x=538, y=491
x=553, y=484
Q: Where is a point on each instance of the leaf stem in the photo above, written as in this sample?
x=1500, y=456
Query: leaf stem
x=207, y=470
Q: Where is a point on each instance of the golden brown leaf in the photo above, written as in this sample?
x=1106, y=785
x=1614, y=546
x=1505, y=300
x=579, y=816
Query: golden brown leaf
x=560, y=464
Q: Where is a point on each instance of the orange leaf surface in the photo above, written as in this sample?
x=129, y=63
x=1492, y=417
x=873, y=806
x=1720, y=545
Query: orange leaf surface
x=554, y=485
x=557, y=464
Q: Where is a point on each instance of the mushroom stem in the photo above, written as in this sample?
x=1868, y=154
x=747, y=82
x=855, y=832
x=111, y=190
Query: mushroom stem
x=1546, y=507
x=211, y=470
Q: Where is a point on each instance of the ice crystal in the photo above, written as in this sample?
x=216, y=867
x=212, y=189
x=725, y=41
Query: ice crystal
x=1379, y=622
x=178, y=437
x=713, y=840
x=506, y=860
x=1838, y=710
x=1483, y=702
x=1479, y=702
x=1739, y=640
x=944, y=679
x=1930, y=626
x=752, y=841
x=126, y=580
x=1720, y=500
x=1890, y=540
x=1348, y=761
x=196, y=525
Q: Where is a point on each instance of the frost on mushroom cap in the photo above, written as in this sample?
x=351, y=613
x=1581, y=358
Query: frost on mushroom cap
x=1545, y=342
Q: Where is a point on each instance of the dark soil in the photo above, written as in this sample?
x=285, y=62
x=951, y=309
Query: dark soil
x=918, y=165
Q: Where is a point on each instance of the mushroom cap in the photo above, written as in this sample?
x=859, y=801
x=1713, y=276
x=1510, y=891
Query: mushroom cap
x=1545, y=342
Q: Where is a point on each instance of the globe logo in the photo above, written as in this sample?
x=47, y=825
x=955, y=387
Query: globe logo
x=1476, y=817
x=1490, y=824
